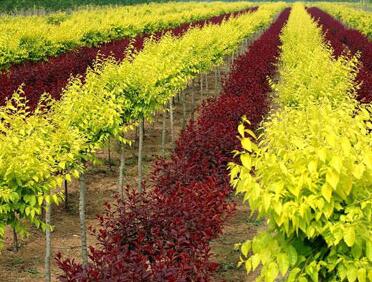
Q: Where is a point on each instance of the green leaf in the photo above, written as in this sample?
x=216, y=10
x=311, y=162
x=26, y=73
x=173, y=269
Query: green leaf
x=272, y=272
x=241, y=130
x=283, y=263
x=362, y=275
x=327, y=192
x=255, y=261
x=351, y=273
x=358, y=171
x=332, y=178
x=292, y=256
x=349, y=236
x=245, y=248
x=247, y=144
x=293, y=274
x=246, y=161
x=369, y=250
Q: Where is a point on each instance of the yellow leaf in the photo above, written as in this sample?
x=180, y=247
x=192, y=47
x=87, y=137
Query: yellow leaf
x=326, y=192
x=241, y=130
x=247, y=144
x=246, y=161
x=349, y=236
x=332, y=178
x=358, y=171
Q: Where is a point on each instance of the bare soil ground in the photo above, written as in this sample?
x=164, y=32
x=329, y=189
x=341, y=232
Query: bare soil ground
x=27, y=264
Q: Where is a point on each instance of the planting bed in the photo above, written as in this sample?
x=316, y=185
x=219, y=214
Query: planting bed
x=164, y=235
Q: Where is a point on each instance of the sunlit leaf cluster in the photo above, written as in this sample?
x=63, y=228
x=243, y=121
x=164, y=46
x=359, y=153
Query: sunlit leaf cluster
x=310, y=170
x=58, y=138
x=38, y=37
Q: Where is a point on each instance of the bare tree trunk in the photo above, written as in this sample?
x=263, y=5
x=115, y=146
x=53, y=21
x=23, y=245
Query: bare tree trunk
x=219, y=80
x=83, y=228
x=121, y=172
x=206, y=83
x=163, y=133
x=201, y=85
x=140, y=145
x=184, y=110
x=15, y=240
x=192, y=104
x=109, y=153
x=65, y=185
x=171, y=120
x=48, y=242
x=216, y=81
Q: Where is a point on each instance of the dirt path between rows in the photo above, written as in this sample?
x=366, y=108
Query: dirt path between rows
x=28, y=263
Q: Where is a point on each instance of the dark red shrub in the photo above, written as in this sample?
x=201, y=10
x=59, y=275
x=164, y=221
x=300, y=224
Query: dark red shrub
x=343, y=39
x=163, y=234
x=52, y=75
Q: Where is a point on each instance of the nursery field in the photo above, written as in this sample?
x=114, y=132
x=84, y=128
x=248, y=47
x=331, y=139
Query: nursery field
x=187, y=141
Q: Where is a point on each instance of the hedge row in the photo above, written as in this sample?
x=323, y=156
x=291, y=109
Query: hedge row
x=52, y=76
x=164, y=234
x=343, y=39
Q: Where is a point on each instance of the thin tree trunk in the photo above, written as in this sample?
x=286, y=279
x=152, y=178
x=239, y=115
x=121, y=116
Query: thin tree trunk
x=219, y=79
x=121, y=172
x=192, y=104
x=184, y=110
x=83, y=228
x=109, y=153
x=48, y=243
x=163, y=133
x=171, y=120
x=140, y=145
x=206, y=83
x=216, y=81
x=65, y=185
x=15, y=240
x=201, y=84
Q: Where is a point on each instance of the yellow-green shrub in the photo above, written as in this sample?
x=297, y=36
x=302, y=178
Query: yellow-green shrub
x=38, y=37
x=310, y=171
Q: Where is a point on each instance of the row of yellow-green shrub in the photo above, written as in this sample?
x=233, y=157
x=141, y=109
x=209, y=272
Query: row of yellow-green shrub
x=310, y=170
x=39, y=37
x=41, y=149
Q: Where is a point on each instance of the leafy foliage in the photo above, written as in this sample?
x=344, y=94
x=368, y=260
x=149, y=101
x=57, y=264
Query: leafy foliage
x=163, y=235
x=355, y=18
x=344, y=40
x=53, y=75
x=114, y=96
x=36, y=155
x=33, y=38
x=310, y=172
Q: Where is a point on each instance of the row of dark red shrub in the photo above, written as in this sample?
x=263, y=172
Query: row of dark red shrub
x=51, y=76
x=163, y=234
x=344, y=39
